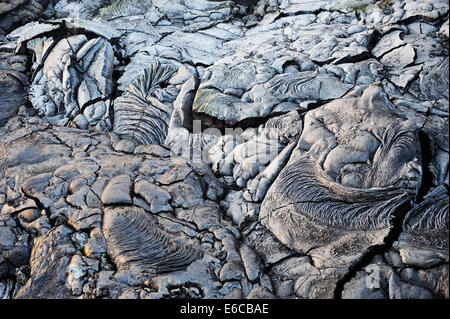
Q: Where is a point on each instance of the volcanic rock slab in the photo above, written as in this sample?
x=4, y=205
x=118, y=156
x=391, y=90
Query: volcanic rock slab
x=14, y=13
x=308, y=209
x=72, y=80
x=134, y=240
x=139, y=114
x=13, y=78
x=224, y=149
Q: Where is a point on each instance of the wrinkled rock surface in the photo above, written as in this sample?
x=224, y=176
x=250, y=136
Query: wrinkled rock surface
x=224, y=149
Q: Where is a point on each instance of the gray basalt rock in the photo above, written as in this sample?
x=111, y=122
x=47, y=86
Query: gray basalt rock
x=73, y=77
x=143, y=113
x=434, y=81
x=87, y=10
x=251, y=263
x=309, y=212
x=50, y=259
x=13, y=78
x=156, y=197
x=367, y=216
x=224, y=149
x=444, y=30
x=400, y=57
x=351, y=153
x=249, y=155
x=84, y=219
x=306, y=86
x=117, y=191
x=135, y=243
x=423, y=242
x=401, y=290
x=264, y=99
x=388, y=43
x=236, y=80
x=18, y=12
x=96, y=245
x=72, y=196
x=125, y=8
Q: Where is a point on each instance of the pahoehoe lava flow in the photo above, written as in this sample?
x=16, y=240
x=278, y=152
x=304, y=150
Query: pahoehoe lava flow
x=224, y=149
